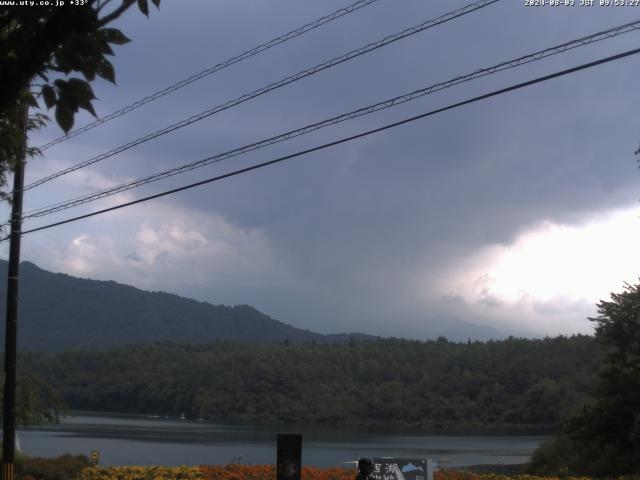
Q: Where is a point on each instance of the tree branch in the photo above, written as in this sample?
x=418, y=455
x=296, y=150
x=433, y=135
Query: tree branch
x=116, y=13
x=100, y=4
x=17, y=73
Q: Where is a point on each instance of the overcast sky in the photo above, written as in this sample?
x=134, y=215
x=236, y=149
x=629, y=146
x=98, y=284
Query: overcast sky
x=519, y=212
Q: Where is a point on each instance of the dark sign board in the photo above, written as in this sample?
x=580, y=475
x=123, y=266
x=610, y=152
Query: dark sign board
x=289, y=463
x=387, y=468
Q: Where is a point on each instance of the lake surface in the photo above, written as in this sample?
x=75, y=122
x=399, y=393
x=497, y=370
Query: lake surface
x=138, y=440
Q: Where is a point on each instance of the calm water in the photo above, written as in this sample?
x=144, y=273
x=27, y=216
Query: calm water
x=137, y=440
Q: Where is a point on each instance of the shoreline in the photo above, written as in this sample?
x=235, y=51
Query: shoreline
x=380, y=428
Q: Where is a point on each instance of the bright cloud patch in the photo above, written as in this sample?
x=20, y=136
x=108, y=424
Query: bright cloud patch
x=168, y=241
x=164, y=248
x=552, y=269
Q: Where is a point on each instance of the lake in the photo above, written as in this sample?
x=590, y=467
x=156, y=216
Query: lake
x=139, y=440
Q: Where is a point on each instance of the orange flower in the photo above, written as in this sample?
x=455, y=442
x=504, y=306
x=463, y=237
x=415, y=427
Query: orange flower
x=268, y=472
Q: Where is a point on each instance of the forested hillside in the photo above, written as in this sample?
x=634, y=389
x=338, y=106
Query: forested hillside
x=515, y=385
x=58, y=311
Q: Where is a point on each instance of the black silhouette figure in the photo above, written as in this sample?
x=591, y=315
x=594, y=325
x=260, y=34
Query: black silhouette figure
x=365, y=468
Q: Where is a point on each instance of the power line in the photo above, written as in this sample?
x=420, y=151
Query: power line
x=213, y=69
x=539, y=55
x=275, y=85
x=342, y=140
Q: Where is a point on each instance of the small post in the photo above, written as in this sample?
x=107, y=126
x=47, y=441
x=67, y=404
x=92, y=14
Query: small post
x=289, y=462
x=11, y=322
x=429, y=469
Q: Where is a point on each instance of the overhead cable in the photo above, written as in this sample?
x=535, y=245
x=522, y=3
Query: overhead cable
x=273, y=86
x=523, y=60
x=340, y=141
x=213, y=69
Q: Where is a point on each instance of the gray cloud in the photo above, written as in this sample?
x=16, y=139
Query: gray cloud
x=348, y=231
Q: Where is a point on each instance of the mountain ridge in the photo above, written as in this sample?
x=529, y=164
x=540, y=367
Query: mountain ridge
x=60, y=311
x=103, y=313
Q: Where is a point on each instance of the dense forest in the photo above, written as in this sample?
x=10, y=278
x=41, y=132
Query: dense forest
x=514, y=385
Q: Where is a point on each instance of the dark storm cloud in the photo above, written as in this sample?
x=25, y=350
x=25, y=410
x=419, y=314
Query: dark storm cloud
x=357, y=221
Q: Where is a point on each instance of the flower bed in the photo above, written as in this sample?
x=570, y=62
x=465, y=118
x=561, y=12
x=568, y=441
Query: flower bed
x=268, y=472
x=142, y=473
x=227, y=472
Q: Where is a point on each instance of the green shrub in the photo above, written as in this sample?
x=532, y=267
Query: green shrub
x=64, y=467
x=552, y=458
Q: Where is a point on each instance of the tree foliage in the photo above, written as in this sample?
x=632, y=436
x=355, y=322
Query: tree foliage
x=515, y=385
x=36, y=401
x=41, y=48
x=48, y=44
x=603, y=438
x=64, y=467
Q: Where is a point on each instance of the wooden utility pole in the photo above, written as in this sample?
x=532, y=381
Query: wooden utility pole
x=11, y=326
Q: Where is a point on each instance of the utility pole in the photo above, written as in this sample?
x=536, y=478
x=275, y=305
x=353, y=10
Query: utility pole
x=11, y=326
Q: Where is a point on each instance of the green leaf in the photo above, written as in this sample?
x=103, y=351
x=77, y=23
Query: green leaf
x=80, y=89
x=87, y=68
x=144, y=7
x=81, y=54
x=106, y=71
x=88, y=106
x=37, y=121
x=49, y=95
x=74, y=94
x=66, y=98
x=66, y=59
x=64, y=117
x=115, y=36
x=72, y=103
x=105, y=48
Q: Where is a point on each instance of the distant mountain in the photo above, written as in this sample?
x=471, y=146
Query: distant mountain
x=58, y=311
x=458, y=330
